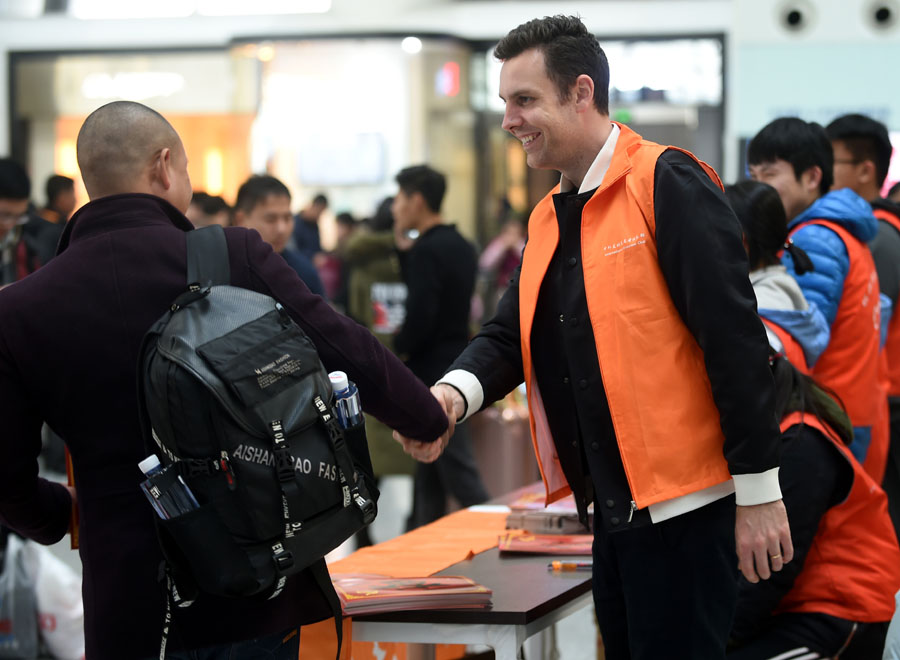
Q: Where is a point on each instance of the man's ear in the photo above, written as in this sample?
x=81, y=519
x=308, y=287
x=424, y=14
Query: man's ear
x=160, y=170
x=866, y=172
x=584, y=92
x=811, y=179
x=418, y=203
x=240, y=217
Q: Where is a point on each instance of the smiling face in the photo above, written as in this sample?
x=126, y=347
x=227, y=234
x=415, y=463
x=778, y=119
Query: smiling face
x=796, y=194
x=546, y=126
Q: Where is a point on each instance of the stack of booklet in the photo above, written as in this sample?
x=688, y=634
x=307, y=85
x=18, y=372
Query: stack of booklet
x=365, y=593
x=527, y=512
x=546, y=544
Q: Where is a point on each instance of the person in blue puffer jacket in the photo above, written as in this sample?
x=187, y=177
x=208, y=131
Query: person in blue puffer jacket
x=833, y=228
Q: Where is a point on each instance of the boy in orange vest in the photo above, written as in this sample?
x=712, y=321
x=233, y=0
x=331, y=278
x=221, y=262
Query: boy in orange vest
x=833, y=228
x=633, y=324
x=862, y=155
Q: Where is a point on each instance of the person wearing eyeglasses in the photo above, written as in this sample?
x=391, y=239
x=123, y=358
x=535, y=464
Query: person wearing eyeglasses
x=18, y=257
x=834, y=228
x=862, y=155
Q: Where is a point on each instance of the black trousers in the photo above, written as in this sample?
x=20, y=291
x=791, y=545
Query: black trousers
x=668, y=590
x=454, y=473
x=809, y=635
x=280, y=646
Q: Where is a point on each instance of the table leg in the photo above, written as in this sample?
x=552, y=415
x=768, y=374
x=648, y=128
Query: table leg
x=506, y=641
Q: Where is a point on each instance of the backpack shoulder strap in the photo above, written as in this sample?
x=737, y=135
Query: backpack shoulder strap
x=319, y=571
x=207, y=256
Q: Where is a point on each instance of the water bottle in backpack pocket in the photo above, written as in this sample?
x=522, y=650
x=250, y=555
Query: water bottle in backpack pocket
x=236, y=401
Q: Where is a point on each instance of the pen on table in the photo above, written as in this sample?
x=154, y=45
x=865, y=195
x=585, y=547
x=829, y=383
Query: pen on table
x=570, y=566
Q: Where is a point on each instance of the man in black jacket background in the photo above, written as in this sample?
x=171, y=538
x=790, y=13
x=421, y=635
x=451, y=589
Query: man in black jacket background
x=439, y=268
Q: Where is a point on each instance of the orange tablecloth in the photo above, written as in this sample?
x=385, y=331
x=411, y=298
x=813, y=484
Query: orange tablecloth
x=423, y=551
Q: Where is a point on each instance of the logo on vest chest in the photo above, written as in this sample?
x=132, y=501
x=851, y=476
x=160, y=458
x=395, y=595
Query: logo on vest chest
x=625, y=244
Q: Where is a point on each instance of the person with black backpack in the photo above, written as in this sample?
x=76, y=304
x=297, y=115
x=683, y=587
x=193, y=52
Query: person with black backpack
x=124, y=266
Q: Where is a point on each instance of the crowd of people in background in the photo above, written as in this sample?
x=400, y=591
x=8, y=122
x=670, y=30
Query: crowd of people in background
x=822, y=245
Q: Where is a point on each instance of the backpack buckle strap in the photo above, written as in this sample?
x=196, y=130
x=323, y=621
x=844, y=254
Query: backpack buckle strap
x=284, y=464
x=335, y=433
x=283, y=558
x=192, y=467
x=342, y=456
x=367, y=507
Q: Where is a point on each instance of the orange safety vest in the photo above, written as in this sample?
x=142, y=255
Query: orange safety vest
x=665, y=420
x=850, y=364
x=892, y=346
x=792, y=349
x=852, y=569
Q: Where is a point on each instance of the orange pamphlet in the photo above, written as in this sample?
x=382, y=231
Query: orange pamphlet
x=547, y=544
x=366, y=593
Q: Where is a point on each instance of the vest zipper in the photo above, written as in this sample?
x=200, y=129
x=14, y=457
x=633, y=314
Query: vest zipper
x=633, y=509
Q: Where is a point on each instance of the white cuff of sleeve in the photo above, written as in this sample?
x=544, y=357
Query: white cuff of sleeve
x=470, y=388
x=760, y=488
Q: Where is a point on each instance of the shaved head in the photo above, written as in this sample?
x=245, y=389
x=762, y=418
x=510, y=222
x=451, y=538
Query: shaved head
x=120, y=146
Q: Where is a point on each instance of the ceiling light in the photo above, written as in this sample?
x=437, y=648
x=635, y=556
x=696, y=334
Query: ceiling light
x=411, y=45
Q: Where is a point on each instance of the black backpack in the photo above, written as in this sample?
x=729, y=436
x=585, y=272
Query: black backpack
x=234, y=396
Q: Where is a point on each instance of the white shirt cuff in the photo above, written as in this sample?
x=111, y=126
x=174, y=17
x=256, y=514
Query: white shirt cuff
x=470, y=388
x=752, y=489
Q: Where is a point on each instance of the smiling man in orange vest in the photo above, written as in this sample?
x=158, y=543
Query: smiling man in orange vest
x=634, y=326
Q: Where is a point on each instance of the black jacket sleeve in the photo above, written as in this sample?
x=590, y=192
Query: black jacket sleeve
x=35, y=507
x=814, y=477
x=702, y=258
x=494, y=356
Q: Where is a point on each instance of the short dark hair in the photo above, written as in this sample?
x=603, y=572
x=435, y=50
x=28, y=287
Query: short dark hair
x=255, y=190
x=894, y=189
x=383, y=220
x=761, y=213
x=569, y=49
x=803, y=144
x=57, y=184
x=14, y=181
x=866, y=139
x=209, y=204
x=345, y=218
x=320, y=200
x=422, y=179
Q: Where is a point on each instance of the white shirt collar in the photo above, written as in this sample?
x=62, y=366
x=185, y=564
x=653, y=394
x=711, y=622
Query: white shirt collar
x=594, y=176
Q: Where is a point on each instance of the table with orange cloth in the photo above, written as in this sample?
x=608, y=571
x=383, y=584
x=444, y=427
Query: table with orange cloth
x=450, y=543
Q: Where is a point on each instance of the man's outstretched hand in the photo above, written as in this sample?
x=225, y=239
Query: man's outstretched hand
x=763, y=540
x=428, y=452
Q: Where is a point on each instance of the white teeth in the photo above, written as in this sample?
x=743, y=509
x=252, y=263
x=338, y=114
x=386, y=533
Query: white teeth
x=528, y=139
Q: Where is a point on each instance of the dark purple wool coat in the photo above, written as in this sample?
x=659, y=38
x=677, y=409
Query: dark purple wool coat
x=69, y=340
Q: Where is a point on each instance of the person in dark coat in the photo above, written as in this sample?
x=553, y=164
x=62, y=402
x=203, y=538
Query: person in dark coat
x=264, y=204
x=18, y=250
x=439, y=269
x=120, y=265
